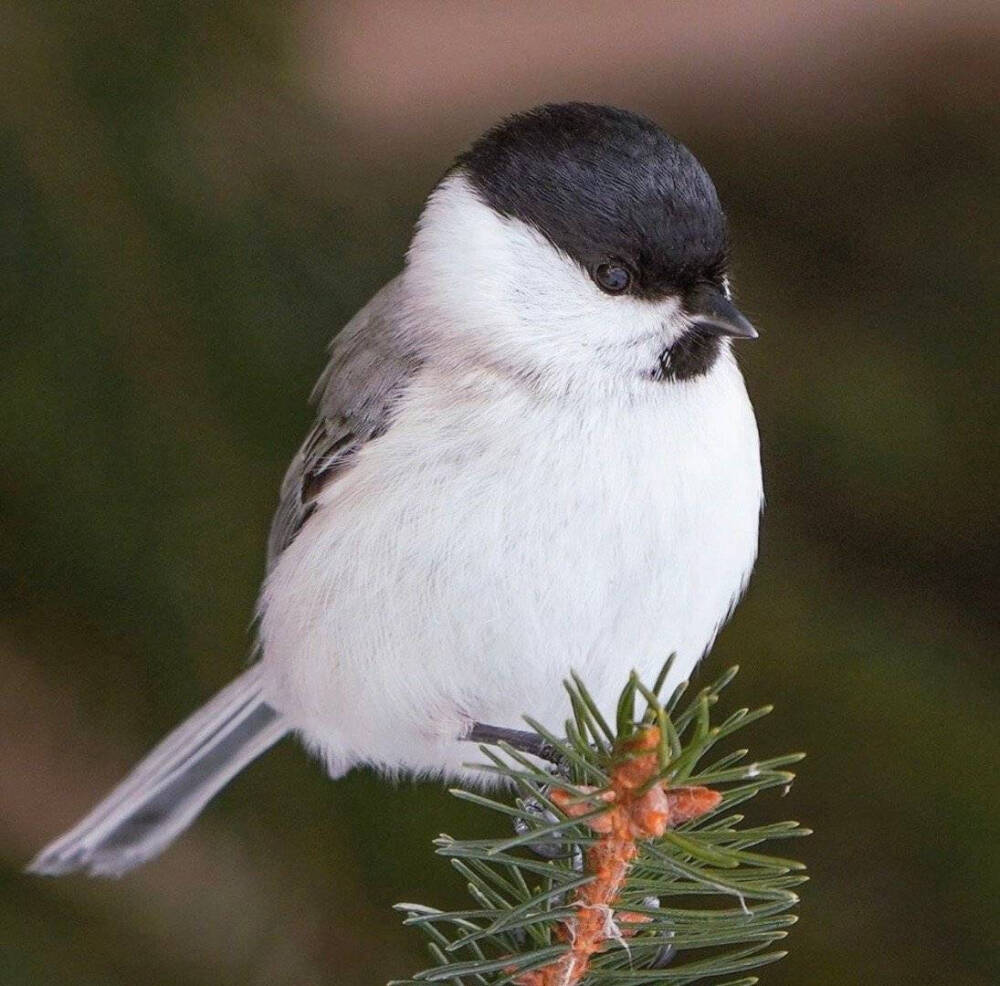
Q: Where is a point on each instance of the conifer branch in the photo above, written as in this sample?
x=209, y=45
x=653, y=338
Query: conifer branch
x=654, y=880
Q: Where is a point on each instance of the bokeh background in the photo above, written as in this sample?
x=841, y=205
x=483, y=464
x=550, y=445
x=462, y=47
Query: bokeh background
x=196, y=196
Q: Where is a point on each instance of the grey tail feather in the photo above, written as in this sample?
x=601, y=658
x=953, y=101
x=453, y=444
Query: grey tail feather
x=167, y=790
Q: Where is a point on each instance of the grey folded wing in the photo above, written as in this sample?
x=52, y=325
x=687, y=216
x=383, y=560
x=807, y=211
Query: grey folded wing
x=371, y=361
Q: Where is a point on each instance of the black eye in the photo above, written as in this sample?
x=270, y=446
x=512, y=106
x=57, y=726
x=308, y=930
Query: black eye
x=612, y=278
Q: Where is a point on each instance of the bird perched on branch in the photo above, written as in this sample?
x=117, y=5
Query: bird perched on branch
x=533, y=453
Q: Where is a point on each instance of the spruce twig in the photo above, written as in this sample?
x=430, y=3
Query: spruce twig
x=665, y=861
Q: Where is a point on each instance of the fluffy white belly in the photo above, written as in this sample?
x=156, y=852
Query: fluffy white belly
x=493, y=540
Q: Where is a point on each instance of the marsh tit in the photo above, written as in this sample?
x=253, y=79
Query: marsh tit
x=533, y=453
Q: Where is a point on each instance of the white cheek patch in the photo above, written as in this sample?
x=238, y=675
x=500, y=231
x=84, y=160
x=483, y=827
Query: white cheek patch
x=499, y=286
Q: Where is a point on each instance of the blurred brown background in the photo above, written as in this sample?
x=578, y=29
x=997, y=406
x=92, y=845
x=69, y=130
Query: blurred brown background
x=196, y=196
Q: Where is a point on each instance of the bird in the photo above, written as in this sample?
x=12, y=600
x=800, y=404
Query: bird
x=533, y=454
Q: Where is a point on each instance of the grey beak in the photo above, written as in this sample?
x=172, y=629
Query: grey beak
x=714, y=313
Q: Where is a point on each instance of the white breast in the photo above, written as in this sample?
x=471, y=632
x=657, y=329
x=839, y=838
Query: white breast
x=491, y=541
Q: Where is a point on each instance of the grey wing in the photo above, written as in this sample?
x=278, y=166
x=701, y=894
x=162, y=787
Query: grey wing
x=371, y=362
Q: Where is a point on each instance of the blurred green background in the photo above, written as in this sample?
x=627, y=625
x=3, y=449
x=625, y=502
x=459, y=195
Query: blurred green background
x=196, y=196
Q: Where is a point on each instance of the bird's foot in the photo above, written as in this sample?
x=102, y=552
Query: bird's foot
x=667, y=953
x=552, y=848
x=520, y=739
x=537, y=746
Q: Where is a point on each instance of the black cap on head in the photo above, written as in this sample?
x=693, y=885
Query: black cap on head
x=604, y=183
